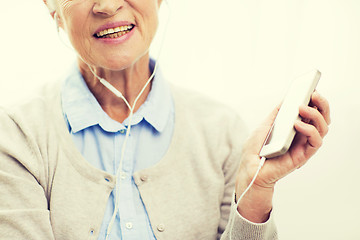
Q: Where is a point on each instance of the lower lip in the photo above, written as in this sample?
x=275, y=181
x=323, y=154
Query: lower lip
x=117, y=40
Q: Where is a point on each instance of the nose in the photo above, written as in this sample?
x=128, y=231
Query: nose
x=107, y=7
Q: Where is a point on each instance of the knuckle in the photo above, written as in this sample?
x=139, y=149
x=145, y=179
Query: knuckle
x=328, y=119
x=313, y=130
x=320, y=142
x=326, y=130
x=325, y=103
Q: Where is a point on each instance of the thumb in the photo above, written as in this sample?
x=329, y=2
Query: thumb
x=259, y=136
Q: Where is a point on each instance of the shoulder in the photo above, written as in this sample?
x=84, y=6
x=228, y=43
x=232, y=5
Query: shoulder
x=204, y=108
x=26, y=124
x=36, y=109
x=205, y=118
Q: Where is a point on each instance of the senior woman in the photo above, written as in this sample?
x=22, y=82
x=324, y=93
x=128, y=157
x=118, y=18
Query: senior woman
x=64, y=170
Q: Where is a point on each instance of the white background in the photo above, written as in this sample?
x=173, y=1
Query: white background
x=244, y=53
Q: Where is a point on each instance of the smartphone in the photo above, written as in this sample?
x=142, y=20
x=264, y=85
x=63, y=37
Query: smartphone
x=282, y=132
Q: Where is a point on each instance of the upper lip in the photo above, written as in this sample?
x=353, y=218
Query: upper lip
x=112, y=25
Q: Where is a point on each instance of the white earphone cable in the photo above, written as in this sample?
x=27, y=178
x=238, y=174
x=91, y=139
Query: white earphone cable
x=119, y=94
x=261, y=163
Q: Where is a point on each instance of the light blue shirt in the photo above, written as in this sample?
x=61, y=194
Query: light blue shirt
x=99, y=138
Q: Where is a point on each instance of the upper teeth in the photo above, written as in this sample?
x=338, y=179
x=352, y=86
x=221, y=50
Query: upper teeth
x=113, y=30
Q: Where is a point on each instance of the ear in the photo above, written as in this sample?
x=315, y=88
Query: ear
x=51, y=6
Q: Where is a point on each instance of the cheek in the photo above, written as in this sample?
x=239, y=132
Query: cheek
x=75, y=24
x=151, y=23
x=146, y=15
x=65, y=7
x=74, y=12
x=82, y=44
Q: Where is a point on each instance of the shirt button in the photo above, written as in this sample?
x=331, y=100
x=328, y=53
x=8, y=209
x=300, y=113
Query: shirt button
x=129, y=225
x=122, y=175
x=122, y=131
x=144, y=178
x=161, y=227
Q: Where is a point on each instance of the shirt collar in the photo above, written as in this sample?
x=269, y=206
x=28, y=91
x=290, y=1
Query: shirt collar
x=81, y=109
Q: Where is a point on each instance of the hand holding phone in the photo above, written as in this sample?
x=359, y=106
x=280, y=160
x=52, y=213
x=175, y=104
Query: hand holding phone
x=282, y=132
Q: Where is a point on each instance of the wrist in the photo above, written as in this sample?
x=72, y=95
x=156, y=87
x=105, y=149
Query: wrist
x=256, y=204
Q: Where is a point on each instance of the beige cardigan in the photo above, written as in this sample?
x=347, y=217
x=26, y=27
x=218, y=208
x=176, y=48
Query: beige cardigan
x=49, y=191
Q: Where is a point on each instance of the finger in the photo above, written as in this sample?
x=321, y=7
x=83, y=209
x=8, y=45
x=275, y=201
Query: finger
x=314, y=139
x=313, y=116
x=322, y=105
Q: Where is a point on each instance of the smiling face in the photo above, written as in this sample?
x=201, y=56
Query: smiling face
x=111, y=34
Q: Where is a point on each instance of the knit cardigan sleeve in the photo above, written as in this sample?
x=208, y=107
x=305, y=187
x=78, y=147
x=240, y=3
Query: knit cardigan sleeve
x=240, y=228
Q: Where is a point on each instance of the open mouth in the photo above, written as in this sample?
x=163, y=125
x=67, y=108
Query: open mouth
x=114, y=32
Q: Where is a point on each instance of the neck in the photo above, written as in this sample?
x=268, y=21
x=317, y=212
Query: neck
x=128, y=81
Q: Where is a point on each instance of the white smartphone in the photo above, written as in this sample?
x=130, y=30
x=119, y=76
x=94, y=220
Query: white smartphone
x=282, y=132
